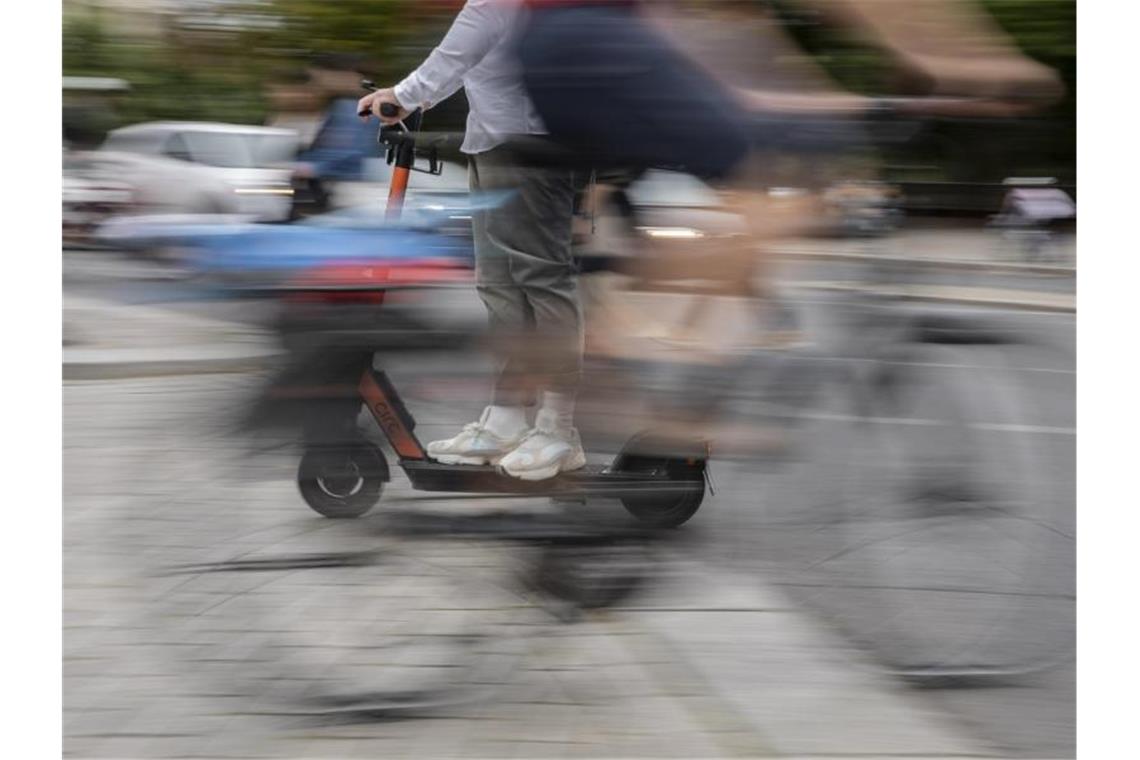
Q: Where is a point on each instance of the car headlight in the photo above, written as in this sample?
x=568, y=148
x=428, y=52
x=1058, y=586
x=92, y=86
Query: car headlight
x=264, y=190
x=674, y=233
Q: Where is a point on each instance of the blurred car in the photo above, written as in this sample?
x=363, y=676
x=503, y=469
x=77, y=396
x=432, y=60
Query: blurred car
x=191, y=167
x=1032, y=212
x=92, y=193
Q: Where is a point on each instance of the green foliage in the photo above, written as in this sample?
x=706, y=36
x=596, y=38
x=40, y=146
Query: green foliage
x=85, y=44
x=388, y=38
x=346, y=26
x=222, y=75
x=1043, y=29
x=169, y=79
x=1047, y=31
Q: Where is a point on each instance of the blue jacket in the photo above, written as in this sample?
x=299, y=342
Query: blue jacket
x=342, y=143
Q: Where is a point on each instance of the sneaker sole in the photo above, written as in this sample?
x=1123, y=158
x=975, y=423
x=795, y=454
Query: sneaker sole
x=546, y=473
x=460, y=459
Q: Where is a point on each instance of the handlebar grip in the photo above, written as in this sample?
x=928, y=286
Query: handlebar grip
x=389, y=110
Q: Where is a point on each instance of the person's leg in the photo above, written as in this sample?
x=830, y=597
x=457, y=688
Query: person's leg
x=510, y=316
x=534, y=229
x=504, y=422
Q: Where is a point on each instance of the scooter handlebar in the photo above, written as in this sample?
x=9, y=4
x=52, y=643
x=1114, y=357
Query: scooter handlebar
x=387, y=110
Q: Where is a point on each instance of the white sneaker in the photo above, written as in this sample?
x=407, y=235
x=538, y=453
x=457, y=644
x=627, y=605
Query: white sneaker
x=475, y=444
x=543, y=453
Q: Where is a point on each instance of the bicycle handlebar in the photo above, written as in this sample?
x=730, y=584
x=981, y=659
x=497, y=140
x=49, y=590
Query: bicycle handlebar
x=952, y=107
x=883, y=121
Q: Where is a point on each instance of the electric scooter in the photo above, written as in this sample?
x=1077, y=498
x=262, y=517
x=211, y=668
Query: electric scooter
x=342, y=475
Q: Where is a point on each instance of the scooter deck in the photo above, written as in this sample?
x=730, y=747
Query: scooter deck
x=426, y=474
x=591, y=480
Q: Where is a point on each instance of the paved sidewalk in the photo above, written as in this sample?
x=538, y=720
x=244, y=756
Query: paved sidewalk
x=999, y=298
x=105, y=339
x=953, y=264
x=960, y=265
x=954, y=246
x=707, y=663
x=710, y=662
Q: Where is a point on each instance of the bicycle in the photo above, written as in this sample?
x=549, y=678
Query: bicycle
x=927, y=497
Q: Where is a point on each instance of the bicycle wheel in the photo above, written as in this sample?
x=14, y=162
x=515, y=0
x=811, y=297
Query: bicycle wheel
x=379, y=631
x=954, y=561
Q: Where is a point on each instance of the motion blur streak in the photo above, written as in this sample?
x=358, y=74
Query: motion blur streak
x=826, y=393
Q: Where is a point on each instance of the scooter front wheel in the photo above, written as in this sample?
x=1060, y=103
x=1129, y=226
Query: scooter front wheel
x=342, y=480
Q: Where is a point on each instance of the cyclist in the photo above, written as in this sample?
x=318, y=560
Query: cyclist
x=524, y=270
x=610, y=84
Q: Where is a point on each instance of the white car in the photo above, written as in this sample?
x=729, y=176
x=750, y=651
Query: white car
x=92, y=193
x=205, y=168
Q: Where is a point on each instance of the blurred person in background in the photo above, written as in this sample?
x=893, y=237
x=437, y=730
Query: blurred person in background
x=610, y=80
x=723, y=95
x=524, y=268
x=322, y=109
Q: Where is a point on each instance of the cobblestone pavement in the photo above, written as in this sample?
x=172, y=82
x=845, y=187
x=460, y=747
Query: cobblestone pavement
x=164, y=656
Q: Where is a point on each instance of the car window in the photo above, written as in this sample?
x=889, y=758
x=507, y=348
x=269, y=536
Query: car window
x=271, y=149
x=220, y=149
x=175, y=147
x=133, y=142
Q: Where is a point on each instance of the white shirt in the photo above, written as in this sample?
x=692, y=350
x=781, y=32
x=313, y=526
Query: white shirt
x=477, y=54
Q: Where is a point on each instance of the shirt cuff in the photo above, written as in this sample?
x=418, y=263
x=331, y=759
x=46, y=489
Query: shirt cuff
x=406, y=94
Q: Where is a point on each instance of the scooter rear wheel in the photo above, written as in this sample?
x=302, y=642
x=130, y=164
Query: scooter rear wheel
x=668, y=508
x=344, y=480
